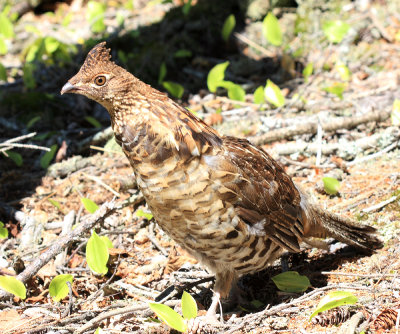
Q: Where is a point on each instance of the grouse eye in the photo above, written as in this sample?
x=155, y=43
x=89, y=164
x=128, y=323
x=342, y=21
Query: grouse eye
x=100, y=80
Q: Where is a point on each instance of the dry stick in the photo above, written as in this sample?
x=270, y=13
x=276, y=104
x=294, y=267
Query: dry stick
x=380, y=205
x=105, y=210
x=125, y=310
x=359, y=275
x=327, y=126
x=330, y=148
x=308, y=296
x=373, y=155
x=256, y=46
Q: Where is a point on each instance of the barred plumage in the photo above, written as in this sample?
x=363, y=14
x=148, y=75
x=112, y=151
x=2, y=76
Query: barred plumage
x=226, y=201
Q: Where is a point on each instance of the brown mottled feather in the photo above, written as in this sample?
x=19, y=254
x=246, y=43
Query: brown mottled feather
x=226, y=201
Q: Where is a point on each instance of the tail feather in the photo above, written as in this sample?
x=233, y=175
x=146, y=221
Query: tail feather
x=343, y=229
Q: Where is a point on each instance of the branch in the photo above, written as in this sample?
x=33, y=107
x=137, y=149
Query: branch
x=329, y=125
x=99, y=216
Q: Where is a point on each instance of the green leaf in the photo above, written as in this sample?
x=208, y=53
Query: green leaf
x=89, y=205
x=95, y=16
x=175, y=89
x=186, y=7
x=256, y=303
x=228, y=26
x=141, y=213
x=235, y=92
x=259, y=95
x=99, y=331
x=335, y=31
x=162, y=73
x=216, y=76
x=395, y=114
x=32, y=122
x=189, y=306
x=97, y=254
x=112, y=145
x=272, y=30
x=331, y=185
x=48, y=156
x=291, y=281
x=51, y=45
x=308, y=70
x=6, y=27
x=343, y=71
x=337, y=89
x=3, y=46
x=12, y=285
x=16, y=157
x=334, y=299
x=107, y=241
x=169, y=316
x=55, y=203
x=93, y=121
x=3, y=73
x=273, y=94
x=58, y=288
x=29, y=80
x=66, y=20
x=3, y=231
x=183, y=53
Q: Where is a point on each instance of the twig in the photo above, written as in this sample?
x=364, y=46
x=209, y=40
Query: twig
x=359, y=275
x=256, y=46
x=380, y=205
x=105, y=210
x=374, y=155
x=11, y=143
x=330, y=148
x=7, y=146
x=105, y=315
x=154, y=241
x=329, y=125
x=102, y=149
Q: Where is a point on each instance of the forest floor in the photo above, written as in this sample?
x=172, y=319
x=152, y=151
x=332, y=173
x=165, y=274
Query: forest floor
x=352, y=138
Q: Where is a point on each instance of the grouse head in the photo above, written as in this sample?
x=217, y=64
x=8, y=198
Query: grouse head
x=101, y=80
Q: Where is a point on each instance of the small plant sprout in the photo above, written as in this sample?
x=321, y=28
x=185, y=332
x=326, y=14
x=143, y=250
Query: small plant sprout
x=97, y=254
x=89, y=205
x=308, y=70
x=141, y=213
x=216, y=76
x=13, y=285
x=15, y=156
x=3, y=231
x=334, y=299
x=259, y=95
x=95, y=15
x=291, y=281
x=395, y=115
x=331, y=185
x=273, y=94
x=48, y=156
x=337, y=89
x=174, y=319
x=175, y=89
x=58, y=288
x=216, y=79
x=228, y=27
x=335, y=31
x=272, y=30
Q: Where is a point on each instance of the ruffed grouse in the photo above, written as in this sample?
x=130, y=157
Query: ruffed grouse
x=224, y=200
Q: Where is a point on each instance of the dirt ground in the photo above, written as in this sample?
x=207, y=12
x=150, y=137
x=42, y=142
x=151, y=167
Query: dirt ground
x=316, y=134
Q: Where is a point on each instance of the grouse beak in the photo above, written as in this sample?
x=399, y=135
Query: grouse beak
x=68, y=88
